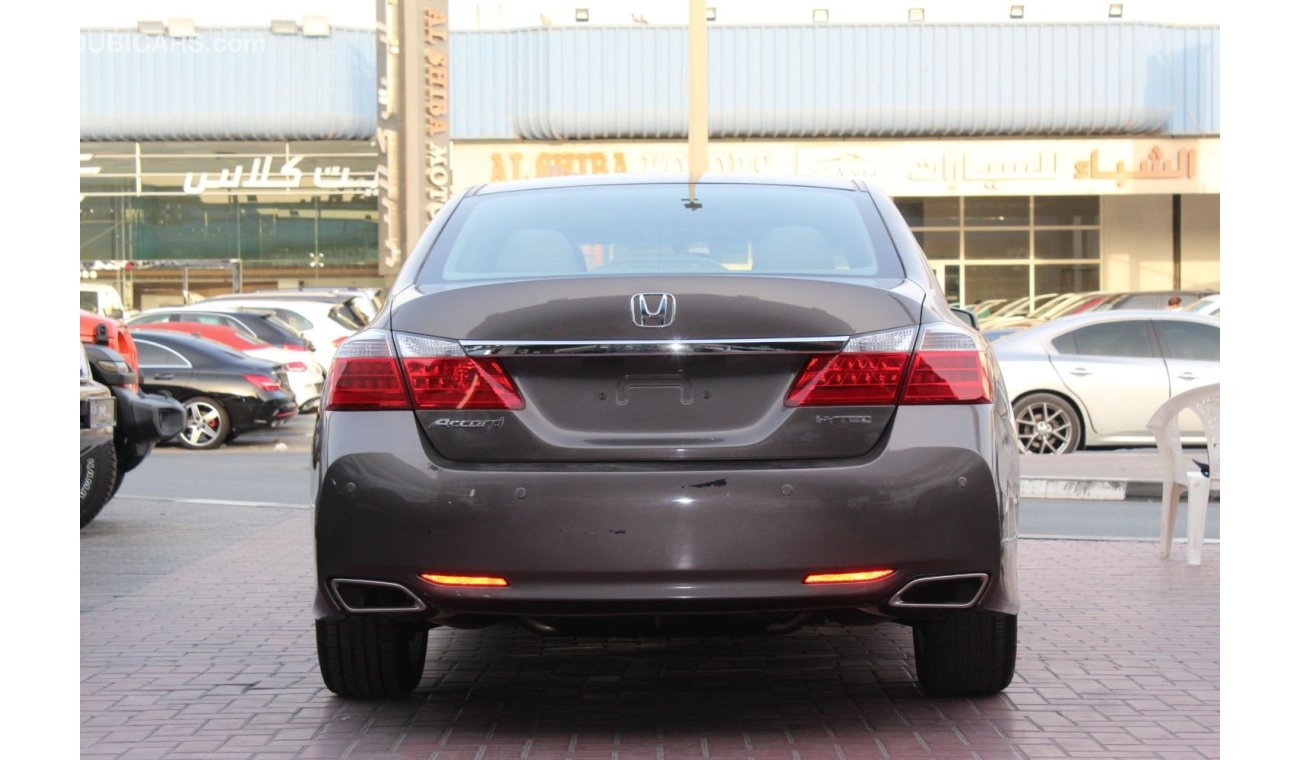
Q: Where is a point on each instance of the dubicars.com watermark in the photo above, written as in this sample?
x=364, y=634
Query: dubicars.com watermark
x=131, y=42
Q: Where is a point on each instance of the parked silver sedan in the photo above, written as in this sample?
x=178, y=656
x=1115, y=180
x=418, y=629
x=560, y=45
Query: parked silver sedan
x=1095, y=379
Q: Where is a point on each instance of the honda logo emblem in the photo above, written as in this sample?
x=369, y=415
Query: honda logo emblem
x=653, y=309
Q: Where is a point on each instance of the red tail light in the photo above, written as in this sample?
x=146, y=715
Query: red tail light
x=950, y=366
x=868, y=371
x=263, y=382
x=460, y=383
x=849, y=379
x=948, y=377
x=365, y=383
x=296, y=366
x=367, y=374
x=294, y=347
x=443, y=377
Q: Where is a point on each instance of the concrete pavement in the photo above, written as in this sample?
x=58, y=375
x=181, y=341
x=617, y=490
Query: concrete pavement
x=1101, y=475
x=211, y=654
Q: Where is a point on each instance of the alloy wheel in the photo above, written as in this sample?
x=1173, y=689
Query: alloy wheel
x=204, y=425
x=1046, y=427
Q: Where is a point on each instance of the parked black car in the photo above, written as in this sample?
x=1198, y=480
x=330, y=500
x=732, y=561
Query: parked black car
x=224, y=392
x=262, y=324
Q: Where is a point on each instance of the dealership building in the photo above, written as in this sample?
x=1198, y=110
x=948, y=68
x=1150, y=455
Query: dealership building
x=1028, y=158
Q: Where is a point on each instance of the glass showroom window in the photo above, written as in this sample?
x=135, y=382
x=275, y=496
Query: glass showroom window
x=266, y=204
x=1009, y=247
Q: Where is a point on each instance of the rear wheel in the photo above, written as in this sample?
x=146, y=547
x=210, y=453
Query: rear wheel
x=207, y=424
x=967, y=653
x=98, y=481
x=371, y=657
x=1047, y=424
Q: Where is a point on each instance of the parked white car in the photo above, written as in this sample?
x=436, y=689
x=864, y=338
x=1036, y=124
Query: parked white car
x=326, y=325
x=1095, y=379
x=1208, y=306
x=102, y=299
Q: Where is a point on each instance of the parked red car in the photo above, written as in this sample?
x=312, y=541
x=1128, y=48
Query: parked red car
x=220, y=333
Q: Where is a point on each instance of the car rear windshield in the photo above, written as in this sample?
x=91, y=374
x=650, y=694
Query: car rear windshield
x=656, y=229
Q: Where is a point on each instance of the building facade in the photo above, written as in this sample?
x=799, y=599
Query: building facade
x=1029, y=158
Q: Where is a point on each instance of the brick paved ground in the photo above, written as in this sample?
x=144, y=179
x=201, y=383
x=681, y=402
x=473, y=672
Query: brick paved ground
x=213, y=656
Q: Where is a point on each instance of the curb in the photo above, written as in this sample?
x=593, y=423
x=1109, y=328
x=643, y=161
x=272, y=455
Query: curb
x=1093, y=489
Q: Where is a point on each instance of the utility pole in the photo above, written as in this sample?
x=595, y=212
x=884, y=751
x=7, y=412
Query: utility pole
x=697, y=114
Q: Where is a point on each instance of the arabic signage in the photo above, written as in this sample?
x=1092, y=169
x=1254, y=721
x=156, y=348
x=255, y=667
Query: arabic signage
x=901, y=167
x=288, y=177
x=414, y=175
x=339, y=168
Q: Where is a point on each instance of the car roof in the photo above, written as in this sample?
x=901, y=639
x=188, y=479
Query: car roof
x=229, y=310
x=1059, y=325
x=179, y=341
x=203, y=329
x=597, y=180
x=295, y=295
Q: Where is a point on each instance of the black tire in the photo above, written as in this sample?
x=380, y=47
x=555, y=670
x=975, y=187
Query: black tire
x=207, y=424
x=371, y=657
x=968, y=653
x=98, y=481
x=1047, y=424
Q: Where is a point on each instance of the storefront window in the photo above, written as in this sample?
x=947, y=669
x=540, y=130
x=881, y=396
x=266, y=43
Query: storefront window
x=940, y=245
x=1009, y=247
x=1066, y=278
x=272, y=204
x=997, y=212
x=1067, y=244
x=987, y=244
x=1067, y=210
x=992, y=281
x=930, y=212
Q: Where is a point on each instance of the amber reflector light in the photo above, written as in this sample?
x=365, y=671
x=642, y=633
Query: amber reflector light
x=860, y=576
x=464, y=580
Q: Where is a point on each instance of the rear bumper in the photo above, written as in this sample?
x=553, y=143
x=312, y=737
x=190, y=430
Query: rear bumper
x=306, y=388
x=273, y=409
x=637, y=539
x=146, y=418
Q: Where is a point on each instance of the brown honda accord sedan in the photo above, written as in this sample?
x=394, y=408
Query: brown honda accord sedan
x=625, y=402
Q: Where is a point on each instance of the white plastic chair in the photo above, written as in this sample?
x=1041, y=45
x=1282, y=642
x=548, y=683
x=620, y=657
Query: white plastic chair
x=1163, y=425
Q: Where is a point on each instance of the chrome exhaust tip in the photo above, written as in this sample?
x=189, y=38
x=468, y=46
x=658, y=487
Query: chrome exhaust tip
x=953, y=592
x=356, y=595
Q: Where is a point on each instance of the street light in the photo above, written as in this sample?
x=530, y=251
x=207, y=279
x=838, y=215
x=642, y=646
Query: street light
x=317, y=262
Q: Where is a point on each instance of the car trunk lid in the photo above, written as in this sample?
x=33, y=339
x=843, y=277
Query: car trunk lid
x=682, y=368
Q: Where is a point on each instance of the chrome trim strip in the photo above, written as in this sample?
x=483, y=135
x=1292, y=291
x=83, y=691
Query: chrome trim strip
x=419, y=605
x=896, y=599
x=827, y=344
